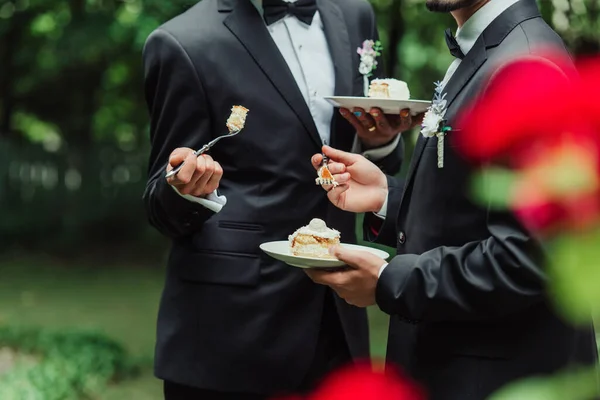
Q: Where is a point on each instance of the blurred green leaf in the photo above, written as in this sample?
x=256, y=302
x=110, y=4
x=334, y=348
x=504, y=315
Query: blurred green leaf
x=493, y=186
x=571, y=385
x=575, y=275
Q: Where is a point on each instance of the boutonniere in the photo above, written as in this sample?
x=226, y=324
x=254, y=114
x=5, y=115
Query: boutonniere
x=369, y=52
x=434, y=123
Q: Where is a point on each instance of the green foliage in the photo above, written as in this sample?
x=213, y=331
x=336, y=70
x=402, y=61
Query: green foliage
x=493, y=187
x=575, y=275
x=71, y=365
x=72, y=81
x=572, y=385
x=573, y=264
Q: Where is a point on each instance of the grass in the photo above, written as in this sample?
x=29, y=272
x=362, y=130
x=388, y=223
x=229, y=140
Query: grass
x=118, y=300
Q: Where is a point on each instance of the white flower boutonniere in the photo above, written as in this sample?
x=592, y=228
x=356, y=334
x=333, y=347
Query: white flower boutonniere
x=369, y=52
x=434, y=123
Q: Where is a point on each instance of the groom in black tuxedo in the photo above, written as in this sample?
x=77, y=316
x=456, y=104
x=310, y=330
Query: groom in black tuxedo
x=466, y=292
x=234, y=323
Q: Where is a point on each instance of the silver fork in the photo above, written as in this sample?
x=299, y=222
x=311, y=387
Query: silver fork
x=203, y=150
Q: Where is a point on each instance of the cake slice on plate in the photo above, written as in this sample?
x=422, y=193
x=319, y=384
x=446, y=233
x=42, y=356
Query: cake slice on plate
x=389, y=89
x=314, y=240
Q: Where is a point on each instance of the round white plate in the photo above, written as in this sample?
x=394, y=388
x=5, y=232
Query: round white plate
x=388, y=106
x=280, y=250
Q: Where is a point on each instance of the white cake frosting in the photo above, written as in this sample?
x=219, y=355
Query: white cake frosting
x=316, y=227
x=396, y=89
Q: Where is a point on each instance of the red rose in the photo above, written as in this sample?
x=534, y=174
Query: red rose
x=543, y=121
x=589, y=90
x=362, y=382
x=525, y=99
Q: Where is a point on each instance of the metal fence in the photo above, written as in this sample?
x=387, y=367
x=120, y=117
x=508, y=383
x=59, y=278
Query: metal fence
x=67, y=200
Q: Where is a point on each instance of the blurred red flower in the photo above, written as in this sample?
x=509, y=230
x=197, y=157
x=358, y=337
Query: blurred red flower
x=526, y=99
x=361, y=382
x=540, y=116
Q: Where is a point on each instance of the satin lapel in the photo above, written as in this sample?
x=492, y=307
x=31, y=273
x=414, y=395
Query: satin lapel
x=338, y=40
x=465, y=71
x=492, y=36
x=467, y=68
x=245, y=23
x=339, y=45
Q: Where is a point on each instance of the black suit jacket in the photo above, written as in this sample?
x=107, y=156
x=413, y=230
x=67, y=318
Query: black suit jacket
x=231, y=318
x=466, y=293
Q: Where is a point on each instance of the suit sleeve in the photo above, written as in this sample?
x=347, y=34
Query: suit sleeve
x=388, y=157
x=480, y=280
x=383, y=231
x=178, y=118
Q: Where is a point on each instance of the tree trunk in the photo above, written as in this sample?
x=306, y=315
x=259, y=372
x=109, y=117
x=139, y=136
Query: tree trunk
x=547, y=10
x=395, y=34
x=8, y=47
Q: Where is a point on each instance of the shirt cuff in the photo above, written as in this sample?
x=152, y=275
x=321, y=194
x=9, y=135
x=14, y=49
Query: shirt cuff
x=213, y=201
x=383, y=212
x=378, y=153
x=381, y=270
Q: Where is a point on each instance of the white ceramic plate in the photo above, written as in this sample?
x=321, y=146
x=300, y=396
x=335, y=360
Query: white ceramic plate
x=280, y=250
x=388, y=106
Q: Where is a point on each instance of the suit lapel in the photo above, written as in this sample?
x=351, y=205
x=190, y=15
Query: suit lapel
x=491, y=37
x=465, y=71
x=246, y=24
x=338, y=39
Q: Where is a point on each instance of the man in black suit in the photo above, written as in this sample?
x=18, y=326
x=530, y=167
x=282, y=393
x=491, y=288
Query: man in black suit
x=466, y=292
x=234, y=323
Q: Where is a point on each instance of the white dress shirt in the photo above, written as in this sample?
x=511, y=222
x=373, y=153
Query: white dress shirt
x=466, y=36
x=306, y=52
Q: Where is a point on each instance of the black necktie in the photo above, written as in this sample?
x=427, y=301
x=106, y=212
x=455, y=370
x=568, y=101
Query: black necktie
x=274, y=10
x=453, y=45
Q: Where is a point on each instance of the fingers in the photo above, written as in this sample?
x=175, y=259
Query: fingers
x=341, y=156
x=381, y=120
x=199, y=176
x=342, y=179
x=405, y=120
x=177, y=156
x=324, y=277
x=334, y=195
x=418, y=120
x=205, y=170
x=317, y=161
x=365, y=119
x=353, y=258
x=336, y=168
x=350, y=117
x=215, y=179
x=186, y=173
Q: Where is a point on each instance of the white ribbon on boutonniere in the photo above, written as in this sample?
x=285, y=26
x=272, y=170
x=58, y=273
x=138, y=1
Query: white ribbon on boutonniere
x=434, y=123
x=369, y=52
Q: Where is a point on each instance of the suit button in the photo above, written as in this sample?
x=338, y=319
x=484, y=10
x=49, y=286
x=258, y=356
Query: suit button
x=401, y=237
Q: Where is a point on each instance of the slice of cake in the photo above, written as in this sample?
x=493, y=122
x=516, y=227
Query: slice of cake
x=389, y=89
x=237, y=119
x=325, y=177
x=314, y=240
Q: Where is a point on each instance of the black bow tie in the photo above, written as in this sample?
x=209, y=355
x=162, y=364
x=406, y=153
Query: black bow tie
x=453, y=45
x=274, y=10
